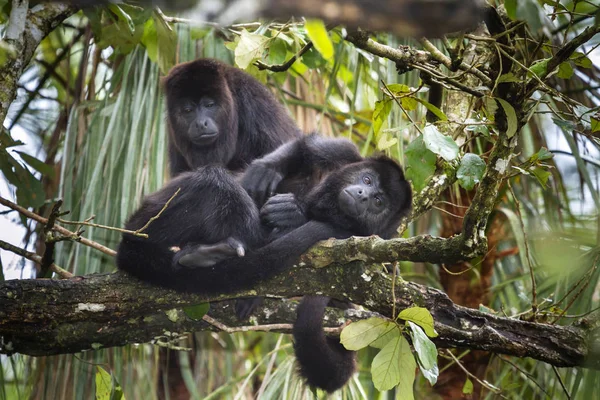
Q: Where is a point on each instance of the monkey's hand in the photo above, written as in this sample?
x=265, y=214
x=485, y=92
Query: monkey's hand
x=207, y=255
x=282, y=212
x=260, y=181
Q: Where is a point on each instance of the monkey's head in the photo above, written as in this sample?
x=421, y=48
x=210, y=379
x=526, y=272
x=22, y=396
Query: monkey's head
x=368, y=197
x=201, y=109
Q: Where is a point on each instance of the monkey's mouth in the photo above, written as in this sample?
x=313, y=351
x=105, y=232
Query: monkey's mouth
x=205, y=138
x=350, y=205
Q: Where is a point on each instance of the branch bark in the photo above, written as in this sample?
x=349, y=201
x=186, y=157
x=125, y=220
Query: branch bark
x=44, y=317
x=25, y=36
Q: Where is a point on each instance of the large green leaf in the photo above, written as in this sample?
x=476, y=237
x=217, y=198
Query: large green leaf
x=394, y=365
x=470, y=171
x=320, y=38
x=420, y=163
x=420, y=316
x=362, y=333
x=440, y=144
x=249, y=48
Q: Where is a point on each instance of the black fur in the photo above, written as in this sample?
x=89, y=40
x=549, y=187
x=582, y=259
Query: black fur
x=323, y=361
x=248, y=119
x=336, y=193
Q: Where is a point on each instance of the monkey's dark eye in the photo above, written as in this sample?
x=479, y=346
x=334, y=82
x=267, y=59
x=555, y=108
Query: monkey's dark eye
x=209, y=105
x=187, y=109
x=367, y=180
x=378, y=201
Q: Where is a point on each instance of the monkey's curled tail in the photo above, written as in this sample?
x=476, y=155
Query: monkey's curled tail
x=323, y=361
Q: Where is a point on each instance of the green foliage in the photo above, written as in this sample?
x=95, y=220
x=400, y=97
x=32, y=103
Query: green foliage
x=107, y=388
x=420, y=163
x=440, y=144
x=470, y=171
x=196, y=312
x=320, y=38
x=250, y=47
x=420, y=316
x=394, y=365
x=360, y=334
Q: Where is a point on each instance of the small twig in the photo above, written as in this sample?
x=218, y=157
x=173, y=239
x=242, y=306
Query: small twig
x=442, y=58
x=583, y=287
x=35, y=258
x=482, y=383
x=400, y=105
x=159, y=213
x=394, y=272
x=261, y=328
x=49, y=239
x=534, y=305
x=527, y=374
x=286, y=65
x=560, y=380
x=110, y=228
x=74, y=236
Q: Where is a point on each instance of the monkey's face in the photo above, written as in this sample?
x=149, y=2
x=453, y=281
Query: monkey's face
x=367, y=198
x=198, y=120
x=363, y=195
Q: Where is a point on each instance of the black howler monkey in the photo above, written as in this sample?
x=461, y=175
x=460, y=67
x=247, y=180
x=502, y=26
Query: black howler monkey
x=336, y=193
x=220, y=115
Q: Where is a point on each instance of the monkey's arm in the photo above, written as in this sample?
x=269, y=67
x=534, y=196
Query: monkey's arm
x=302, y=157
x=283, y=212
x=236, y=273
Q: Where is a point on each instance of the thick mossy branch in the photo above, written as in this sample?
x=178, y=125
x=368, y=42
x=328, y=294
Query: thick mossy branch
x=43, y=317
x=423, y=248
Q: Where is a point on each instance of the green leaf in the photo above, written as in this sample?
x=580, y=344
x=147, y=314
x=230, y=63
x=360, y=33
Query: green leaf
x=320, y=38
x=398, y=88
x=385, y=141
x=436, y=111
x=250, y=47
x=420, y=163
x=160, y=42
x=277, y=52
x=36, y=164
x=392, y=333
x=511, y=117
x=104, y=384
x=479, y=129
x=426, y=351
x=440, y=144
x=542, y=155
x=6, y=140
x=541, y=175
x=511, y=9
x=468, y=387
x=196, y=312
x=565, y=70
x=491, y=107
x=394, y=365
x=362, y=333
x=510, y=77
x=166, y=42
x=595, y=124
x=380, y=114
x=470, y=171
x=420, y=316
x=123, y=16
x=30, y=192
x=540, y=67
x=581, y=60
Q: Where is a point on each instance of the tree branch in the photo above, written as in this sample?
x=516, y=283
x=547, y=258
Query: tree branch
x=44, y=317
x=40, y=21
